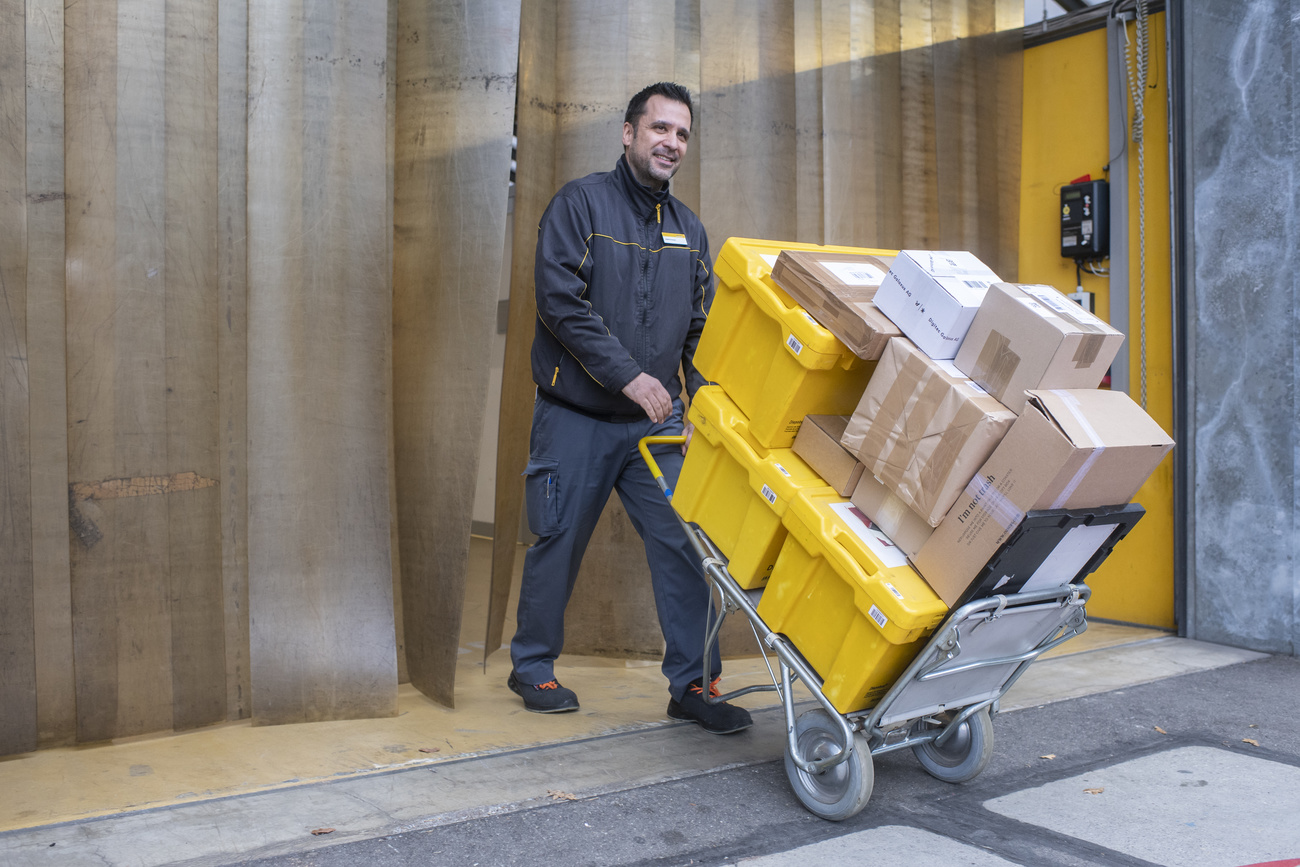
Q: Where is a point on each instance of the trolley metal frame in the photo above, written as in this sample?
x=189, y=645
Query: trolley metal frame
x=941, y=704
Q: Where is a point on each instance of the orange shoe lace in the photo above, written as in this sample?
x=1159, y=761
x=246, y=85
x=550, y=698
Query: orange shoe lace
x=550, y=684
x=696, y=689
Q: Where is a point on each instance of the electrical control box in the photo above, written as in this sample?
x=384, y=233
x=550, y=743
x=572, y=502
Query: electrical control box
x=1085, y=229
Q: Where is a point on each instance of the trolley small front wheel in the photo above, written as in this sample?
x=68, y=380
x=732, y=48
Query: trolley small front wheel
x=840, y=791
x=964, y=754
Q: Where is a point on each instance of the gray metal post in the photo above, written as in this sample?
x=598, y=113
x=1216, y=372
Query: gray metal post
x=1117, y=79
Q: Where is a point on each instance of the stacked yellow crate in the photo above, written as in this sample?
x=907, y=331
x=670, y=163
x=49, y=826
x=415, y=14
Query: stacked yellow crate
x=852, y=606
x=770, y=364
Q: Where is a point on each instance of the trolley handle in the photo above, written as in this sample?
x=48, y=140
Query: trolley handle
x=644, y=448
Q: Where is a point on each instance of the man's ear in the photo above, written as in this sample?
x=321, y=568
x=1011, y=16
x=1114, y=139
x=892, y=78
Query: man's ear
x=628, y=133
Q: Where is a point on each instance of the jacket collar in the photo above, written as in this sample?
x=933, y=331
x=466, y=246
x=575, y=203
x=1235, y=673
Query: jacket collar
x=642, y=198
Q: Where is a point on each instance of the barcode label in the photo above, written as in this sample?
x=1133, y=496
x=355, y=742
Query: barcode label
x=977, y=284
x=795, y=346
x=855, y=273
x=782, y=470
x=769, y=495
x=892, y=589
x=879, y=616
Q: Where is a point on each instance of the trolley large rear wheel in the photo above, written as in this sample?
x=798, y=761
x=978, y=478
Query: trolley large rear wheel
x=964, y=754
x=840, y=791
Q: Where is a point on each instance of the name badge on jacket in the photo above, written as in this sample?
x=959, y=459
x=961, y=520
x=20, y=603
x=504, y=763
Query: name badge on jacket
x=675, y=239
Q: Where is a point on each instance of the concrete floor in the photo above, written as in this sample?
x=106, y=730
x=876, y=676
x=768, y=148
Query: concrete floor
x=64, y=785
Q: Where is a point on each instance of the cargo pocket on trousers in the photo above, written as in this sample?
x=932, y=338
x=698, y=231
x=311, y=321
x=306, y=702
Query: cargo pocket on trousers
x=542, y=496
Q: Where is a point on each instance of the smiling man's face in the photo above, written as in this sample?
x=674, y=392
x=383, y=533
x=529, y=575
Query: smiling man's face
x=656, y=146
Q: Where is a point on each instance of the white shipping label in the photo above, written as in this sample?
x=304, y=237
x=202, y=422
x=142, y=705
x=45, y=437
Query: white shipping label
x=782, y=470
x=875, y=539
x=1062, y=305
x=769, y=495
x=879, y=616
x=892, y=589
x=855, y=273
x=795, y=346
x=1070, y=555
x=769, y=259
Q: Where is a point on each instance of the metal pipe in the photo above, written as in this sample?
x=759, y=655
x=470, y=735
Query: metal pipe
x=1117, y=169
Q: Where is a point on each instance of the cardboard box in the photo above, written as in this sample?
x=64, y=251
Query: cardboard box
x=1032, y=337
x=1070, y=449
x=905, y=528
x=933, y=296
x=923, y=429
x=818, y=443
x=838, y=290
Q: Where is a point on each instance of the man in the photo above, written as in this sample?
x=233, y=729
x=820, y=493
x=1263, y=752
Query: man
x=623, y=285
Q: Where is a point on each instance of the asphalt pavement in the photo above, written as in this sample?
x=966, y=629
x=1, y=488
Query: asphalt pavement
x=1199, y=769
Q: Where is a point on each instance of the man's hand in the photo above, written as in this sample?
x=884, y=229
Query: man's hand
x=689, y=431
x=651, y=396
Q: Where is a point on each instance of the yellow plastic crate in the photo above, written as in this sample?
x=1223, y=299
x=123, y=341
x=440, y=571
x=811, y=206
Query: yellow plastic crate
x=851, y=604
x=770, y=355
x=736, y=491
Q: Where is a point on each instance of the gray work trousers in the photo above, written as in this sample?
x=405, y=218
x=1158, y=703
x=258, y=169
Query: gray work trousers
x=574, y=462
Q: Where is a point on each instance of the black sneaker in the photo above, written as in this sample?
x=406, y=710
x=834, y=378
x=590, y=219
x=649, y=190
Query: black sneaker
x=547, y=697
x=718, y=719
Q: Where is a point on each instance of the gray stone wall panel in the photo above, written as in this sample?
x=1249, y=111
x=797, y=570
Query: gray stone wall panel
x=1246, y=590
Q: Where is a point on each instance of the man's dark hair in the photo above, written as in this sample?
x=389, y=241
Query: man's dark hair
x=667, y=89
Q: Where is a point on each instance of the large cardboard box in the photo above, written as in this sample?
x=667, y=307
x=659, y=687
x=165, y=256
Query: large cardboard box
x=1032, y=337
x=933, y=296
x=905, y=528
x=1070, y=449
x=838, y=290
x=923, y=429
x=818, y=443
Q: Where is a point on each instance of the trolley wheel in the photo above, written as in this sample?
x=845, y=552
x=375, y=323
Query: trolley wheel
x=840, y=791
x=966, y=752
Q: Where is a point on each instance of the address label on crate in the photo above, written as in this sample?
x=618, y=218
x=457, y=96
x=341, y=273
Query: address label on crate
x=876, y=541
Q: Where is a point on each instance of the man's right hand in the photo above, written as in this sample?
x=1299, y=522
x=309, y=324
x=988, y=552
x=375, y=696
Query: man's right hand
x=651, y=396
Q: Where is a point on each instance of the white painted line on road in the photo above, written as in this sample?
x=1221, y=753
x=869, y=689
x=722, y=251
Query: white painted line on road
x=1190, y=807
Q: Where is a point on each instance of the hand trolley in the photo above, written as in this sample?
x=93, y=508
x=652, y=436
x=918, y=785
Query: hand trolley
x=940, y=707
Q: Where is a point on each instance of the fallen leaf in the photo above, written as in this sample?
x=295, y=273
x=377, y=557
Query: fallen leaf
x=319, y=831
x=1251, y=741
x=428, y=749
x=1048, y=756
x=1254, y=726
x=1096, y=791
x=560, y=796
x=1162, y=731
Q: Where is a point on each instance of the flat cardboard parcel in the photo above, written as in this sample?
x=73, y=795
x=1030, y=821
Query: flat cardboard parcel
x=838, y=290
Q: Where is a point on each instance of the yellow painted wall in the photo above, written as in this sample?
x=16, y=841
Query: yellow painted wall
x=1065, y=136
